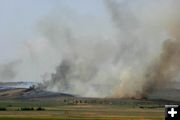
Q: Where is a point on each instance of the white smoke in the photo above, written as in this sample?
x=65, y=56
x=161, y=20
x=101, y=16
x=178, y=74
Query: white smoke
x=8, y=71
x=97, y=57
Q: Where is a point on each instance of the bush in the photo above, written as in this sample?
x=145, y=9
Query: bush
x=141, y=107
x=27, y=108
x=2, y=109
x=9, y=105
x=85, y=101
x=40, y=109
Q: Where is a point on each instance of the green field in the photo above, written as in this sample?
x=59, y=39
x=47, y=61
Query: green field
x=55, y=110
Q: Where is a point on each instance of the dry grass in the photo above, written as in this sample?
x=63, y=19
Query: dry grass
x=90, y=112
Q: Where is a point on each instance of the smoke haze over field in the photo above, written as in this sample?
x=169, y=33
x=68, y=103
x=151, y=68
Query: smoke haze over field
x=122, y=48
x=141, y=57
x=165, y=66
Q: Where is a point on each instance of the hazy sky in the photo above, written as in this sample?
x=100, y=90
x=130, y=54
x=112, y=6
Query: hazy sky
x=19, y=21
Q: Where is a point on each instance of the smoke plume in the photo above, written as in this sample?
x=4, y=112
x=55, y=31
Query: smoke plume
x=8, y=71
x=165, y=67
x=139, y=54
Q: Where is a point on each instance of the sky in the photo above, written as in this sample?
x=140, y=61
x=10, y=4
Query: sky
x=19, y=21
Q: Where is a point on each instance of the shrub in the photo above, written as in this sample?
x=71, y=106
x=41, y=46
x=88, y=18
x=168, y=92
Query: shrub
x=40, y=109
x=27, y=108
x=9, y=105
x=2, y=109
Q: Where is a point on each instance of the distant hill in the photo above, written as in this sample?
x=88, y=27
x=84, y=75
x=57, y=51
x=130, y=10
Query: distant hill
x=17, y=84
x=167, y=94
x=24, y=90
x=30, y=93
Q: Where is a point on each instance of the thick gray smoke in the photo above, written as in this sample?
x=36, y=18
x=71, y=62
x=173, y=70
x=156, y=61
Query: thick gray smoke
x=8, y=71
x=139, y=54
x=165, y=67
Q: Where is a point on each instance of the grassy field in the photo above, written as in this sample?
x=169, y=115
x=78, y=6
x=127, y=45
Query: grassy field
x=58, y=111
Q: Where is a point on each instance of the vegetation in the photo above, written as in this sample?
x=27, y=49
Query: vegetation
x=27, y=108
x=2, y=109
x=84, y=109
x=40, y=109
